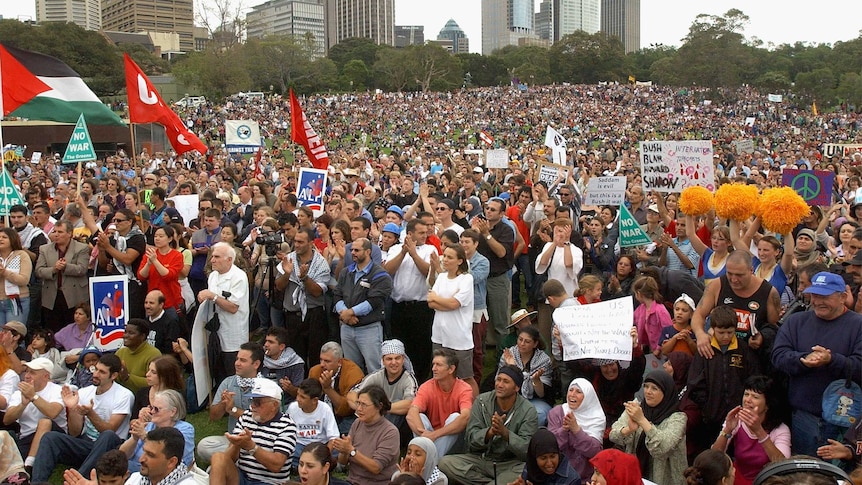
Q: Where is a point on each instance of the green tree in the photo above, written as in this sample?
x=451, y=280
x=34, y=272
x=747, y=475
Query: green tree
x=530, y=64
x=151, y=65
x=714, y=53
x=392, y=71
x=640, y=62
x=484, y=70
x=356, y=75
x=817, y=85
x=354, y=48
x=849, y=89
x=433, y=66
x=216, y=75
x=587, y=58
x=281, y=61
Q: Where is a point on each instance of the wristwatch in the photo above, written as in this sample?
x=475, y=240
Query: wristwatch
x=233, y=410
x=352, y=452
x=488, y=237
x=215, y=297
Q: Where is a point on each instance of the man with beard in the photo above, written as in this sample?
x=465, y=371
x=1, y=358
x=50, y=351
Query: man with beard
x=32, y=239
x=260, y=444
x=281, y=364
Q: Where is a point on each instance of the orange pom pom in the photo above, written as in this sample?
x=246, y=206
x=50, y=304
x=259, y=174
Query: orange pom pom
x=735, y=202
x=781, y=209
x=695, y=201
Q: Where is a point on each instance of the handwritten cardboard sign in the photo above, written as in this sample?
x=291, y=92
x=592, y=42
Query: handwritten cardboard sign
x=671, y=166
x=599, y=330
x=605, y=191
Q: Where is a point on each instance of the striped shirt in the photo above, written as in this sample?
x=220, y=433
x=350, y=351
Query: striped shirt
x=277, y=435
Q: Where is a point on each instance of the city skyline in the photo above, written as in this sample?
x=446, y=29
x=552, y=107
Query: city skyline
x=662, y=21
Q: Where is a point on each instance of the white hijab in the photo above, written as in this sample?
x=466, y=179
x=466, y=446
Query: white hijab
x=589, y=414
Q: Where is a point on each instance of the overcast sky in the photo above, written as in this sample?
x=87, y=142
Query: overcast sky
x=662, y=21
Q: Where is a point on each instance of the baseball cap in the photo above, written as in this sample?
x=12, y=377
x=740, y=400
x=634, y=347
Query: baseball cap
x=18, y=327
x=478, y=170
x=40, y=363
x=856, y=261
x=264, y=387
x=825, y=284
x=394, y=229
x=653, y=207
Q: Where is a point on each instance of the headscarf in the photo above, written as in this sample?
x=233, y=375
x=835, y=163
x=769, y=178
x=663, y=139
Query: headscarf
x=656, y=414
x=806, y=257
x=477, y=208
x=589, y=414
x=542, y=442
x=617, y=467
x=395, y=346
x=430, y=473
x=680, y=361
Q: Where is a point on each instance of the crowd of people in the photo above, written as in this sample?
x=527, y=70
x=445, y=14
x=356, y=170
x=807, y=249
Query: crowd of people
x=409, y=333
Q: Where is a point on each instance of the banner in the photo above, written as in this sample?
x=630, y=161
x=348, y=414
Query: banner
x=671, y=166
x=9, y=194
x=599, y=330
x=605, y=191
x=631, y=233
x=744, y=146
x=550, y=174
x=302, y=132
x=310, y=189
x=557, y=143
x=841, y=150
x=775, y=98
x=187, y=206
x=242, y=136
x=198, y=344
x=497, y=158
x=80, y=147
x=815, y=186
x=109, y=310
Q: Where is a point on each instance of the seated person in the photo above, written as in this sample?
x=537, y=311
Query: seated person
x=337, y=377
x=501, y=424
x=441, y=408
x=136, y=354
x=280, y=362
x=314, y=421
x=261, y=444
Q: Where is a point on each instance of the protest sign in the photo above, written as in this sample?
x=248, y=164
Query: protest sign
x=775, y=98
x=187, y=206
x=815, y=186
x=497, y=158
x=557, y=143
x=599, y=330
x=242, y=136
x=841, y=150
x=605, y=191
x=310, y=189
x=80, y=147
x=9, y=194
x=631, y=233
x=203, y=378
x=550, y=173
x=744, y=146
x=671, y=166
x=109, y=310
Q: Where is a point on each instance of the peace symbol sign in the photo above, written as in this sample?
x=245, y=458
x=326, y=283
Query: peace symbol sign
x=807, y=185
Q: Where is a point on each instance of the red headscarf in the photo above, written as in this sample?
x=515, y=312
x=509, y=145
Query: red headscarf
x=617, y=467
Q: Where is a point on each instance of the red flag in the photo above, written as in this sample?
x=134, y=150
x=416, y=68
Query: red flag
x=146, y=106
x=257, y=158
x=301, y=132
x=485, y=137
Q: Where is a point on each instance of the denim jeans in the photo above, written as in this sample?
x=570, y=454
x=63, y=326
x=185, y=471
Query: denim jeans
x=542, y=409
x=446, y=442
x=809, y=432
x=8, y=312
x=362, y=345
x=59, y=448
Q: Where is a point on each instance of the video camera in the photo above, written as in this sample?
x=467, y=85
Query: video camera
x=271, y=241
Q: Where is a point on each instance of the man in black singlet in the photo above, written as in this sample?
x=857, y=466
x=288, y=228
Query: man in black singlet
x=755, y=301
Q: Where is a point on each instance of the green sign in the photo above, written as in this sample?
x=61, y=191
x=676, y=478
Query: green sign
x=80, y=148
x=631, y=233
x=9, y=194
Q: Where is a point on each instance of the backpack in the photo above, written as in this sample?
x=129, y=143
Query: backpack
x=842, y=401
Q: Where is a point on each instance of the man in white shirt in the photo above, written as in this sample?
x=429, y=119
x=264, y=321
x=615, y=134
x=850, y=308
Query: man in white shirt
x=408, y=264
x=36, y=398
x=227, y=287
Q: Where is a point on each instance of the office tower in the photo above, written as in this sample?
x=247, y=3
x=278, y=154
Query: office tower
x=453, y=38
x=296, y=18
x=409, y=35
x=506, y=22
x=85, y=13
x=160, y=16
x=622, y=18
x=558, y=18
x=370, y=19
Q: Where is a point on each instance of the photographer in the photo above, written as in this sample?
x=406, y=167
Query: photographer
x=269, y=244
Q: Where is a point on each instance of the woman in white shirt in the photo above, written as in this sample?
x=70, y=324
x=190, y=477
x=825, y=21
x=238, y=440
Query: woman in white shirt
x=561, y=259
x=451, y=297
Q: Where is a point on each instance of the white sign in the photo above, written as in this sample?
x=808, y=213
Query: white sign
x=840, y=150
x=596, y=331
x=242, y=136
x=775, y=98
x=550, y=174
x=36, y=158
x=497, y=158
x=605, y=191
x=671, y=166
x=557, y=143
x=203, y=378
x=187, y=206
x=744, y=146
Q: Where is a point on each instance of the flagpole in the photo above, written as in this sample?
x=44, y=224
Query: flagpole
x=132, y=137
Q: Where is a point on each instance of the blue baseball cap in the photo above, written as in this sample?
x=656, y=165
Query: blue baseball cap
x=392, y=227
x=825, y=284
x=397, y=210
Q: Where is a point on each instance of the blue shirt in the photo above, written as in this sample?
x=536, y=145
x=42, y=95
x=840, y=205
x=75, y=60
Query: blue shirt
x=363, y=308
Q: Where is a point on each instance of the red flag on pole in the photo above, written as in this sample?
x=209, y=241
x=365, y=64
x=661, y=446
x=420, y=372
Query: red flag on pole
x=301, y=132
x=257, y=158
x=146, y=106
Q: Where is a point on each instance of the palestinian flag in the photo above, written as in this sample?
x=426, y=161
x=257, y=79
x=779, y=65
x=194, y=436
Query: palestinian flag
x=40, y=87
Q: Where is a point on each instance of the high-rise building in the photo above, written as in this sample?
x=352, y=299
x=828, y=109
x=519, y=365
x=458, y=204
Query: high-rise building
x=558, y=18
x=370, y=19
x=622, y=18
x=457, y=39
x=85, y=13
x=504, y=22
x=163, y=16
x=297, y=18
x=409, y=35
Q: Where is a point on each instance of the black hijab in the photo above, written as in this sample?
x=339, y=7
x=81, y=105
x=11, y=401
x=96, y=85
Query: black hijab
x=542, y=442
x=656, y=414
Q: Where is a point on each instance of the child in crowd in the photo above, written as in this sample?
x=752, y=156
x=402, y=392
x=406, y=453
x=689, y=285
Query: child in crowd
x=313, y=421
x=651, y=316
x=87, y=361
x=43, y=345
x=678, y=337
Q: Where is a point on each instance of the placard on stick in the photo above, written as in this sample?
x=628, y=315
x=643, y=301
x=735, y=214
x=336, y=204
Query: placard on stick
x=605, y=191
x=497, y=158
x=549, y=172
x=599, y=330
